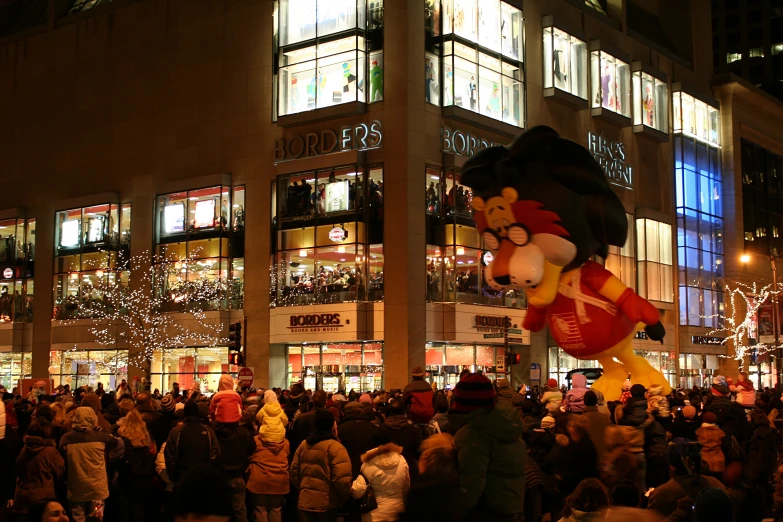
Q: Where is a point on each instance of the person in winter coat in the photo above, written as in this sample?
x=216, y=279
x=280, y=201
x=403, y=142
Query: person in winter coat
x=619, y=463
x=267, y=479
x=761, y=450
x=730, y=416
x=746, y=395
x=402, y=431
x=588, y=502
x=136, y=469
x=685, y=424
x=505, y=396
x=271, y=417
x=541, y=440
x=386, y=471
x=321, y=471
x=598, y=422
x=658, y=405
x=711, y=438
x=441, y=404
x=90, y=400
x=161, y=427
x=226, y=406
x=553, y=397
x=304, y=424
x=490, y=452
x=2, y=420
x=236, y=447
x=359, y=434
x=84, y=451
x=292, y=401
x=189, y=445
x=574, y=399
x=417, y=398
x=38, y=468
x=634, y=420
x=626, y=392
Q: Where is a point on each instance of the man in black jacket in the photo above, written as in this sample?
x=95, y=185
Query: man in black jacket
x=403, y=432
x=305, y=423
x=236, y=447
x=190, y=445
x=358, y=434
x=731, y=416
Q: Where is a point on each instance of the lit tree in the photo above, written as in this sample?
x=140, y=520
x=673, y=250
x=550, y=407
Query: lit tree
x=134, y=316
x=736, y=327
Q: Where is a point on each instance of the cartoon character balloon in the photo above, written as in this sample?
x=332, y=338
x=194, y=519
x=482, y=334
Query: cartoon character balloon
x=544, y=209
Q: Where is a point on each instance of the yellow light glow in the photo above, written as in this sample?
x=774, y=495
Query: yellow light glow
x=460, y=251
x=303, y=253
x=745, y=258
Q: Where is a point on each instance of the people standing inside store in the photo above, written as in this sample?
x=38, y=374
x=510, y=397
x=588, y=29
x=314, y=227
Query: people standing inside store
x=84, y=451
x=268, y=481
x=321, y=471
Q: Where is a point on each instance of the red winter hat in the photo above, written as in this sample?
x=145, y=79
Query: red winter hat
x=473, y=392
x=551, y=383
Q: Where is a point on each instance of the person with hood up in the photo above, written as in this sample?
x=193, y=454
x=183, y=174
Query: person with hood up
x=553, y=397
x=386, y=471
x=746, y=395
x=292, y=401
x=267, y=478
x=84, y=451
x=321, y=471
x=417, y=398
x=711, y=438
x=505, y=395
x=490, y=452
x=359, y=434
x=271, y=418
x=90, y=400
x=574, y=401
x=226, y=406
x=38, y=468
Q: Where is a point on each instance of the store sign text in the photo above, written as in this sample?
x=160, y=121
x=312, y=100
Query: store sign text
x=462, y=143
x=361, y=136
x=314, y=323
x=494, y=325
x=610, y=156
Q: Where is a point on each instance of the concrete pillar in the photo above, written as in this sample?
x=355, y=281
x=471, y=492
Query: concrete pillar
x=404, y=187
x=42, y=298
x=142, y=225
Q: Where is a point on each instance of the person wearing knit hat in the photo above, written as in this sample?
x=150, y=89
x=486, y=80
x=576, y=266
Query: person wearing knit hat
x=365, y=398
x=626, y=392
x=417, y=398
x=551, y=383
x=689, y=412
x=711, y=438
x=167, y=403
x=548, y=422
x=552, y=398
x=486, y=430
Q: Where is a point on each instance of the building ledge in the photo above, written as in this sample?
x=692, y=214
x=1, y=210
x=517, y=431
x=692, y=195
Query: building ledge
x=327, y=113
x=565, y=98
x=480, y=121
x=611, y=117
x=649, y=132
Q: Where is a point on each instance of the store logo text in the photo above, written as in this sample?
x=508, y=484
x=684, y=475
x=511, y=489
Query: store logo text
x=462, y=143
x=610, y=156
x=361, y=136
x=314, y=323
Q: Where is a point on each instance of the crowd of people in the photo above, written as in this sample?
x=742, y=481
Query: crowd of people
x=480, y=452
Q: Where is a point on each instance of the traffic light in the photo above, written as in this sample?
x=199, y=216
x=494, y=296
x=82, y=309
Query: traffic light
x=236, y=359
x=235, y=336
x=512, y=359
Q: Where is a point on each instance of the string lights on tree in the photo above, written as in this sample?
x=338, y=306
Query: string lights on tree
x=136, y=316
x=739, y=329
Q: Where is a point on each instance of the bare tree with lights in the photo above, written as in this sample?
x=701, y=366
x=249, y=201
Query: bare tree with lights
x=164, y=308
x=738, y=328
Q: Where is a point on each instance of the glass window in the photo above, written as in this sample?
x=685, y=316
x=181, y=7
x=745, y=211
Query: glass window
x=17, y=269
x=565, y=62
x=187, y=366
x=329, y=238
x=15, y=366
x=342, y=367
x=654, y=257
x=651, y=97
x=92, y=250
x=482, y=70
x=89, y=367
x=330, y=52
x=756, y=52
x=733, y=57
x=620, y=261
x=695, y=118
x=611, y=83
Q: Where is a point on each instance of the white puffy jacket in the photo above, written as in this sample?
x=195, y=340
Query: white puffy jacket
x=2, y=420
x=386, y=470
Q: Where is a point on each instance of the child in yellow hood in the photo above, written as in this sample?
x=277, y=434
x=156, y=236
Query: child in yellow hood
x=272, y=418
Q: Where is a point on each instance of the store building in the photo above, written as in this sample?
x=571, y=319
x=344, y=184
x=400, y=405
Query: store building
x=305, y=157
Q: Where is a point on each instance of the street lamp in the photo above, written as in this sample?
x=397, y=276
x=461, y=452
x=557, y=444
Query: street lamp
x=772, y=257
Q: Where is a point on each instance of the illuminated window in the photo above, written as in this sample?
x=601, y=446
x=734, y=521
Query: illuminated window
x=651, y=101
x=89, y=367
x=565, y=62
x=17, y=267
x=611, y=79
x=695, y=118
x=336, y=367
x=481, y=49
x=777, y=48
x=733, y=57
x=186, y=366
x=620, y=260
x=654, y=260
x=756, y=52
x=329, y=53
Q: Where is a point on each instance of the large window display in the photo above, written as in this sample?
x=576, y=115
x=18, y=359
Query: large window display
x=651, y=99
x=695, y=118
x=15, y=366
x=611, y=83
x=456, y=255
x=697, y=369
x=91, y=256
x=89, y=367
x=445, y=361
x=330, y=52
x=186, y=366
x=560, y=363
x=482, y=70
x=620, y=261
x=17, y=269
x=565, y=62
x=654, y=260
x=199, y=253
x=336, y=367
x=328, y=236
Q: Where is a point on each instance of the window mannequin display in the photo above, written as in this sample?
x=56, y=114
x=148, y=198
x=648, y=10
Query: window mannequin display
x=376, y=82
x=607, y=80
x=311, y=93
x=648, y=104
x=472, y=93
x=560, y=64
x=430, y=81
x=493, y=105
x=448, y=98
